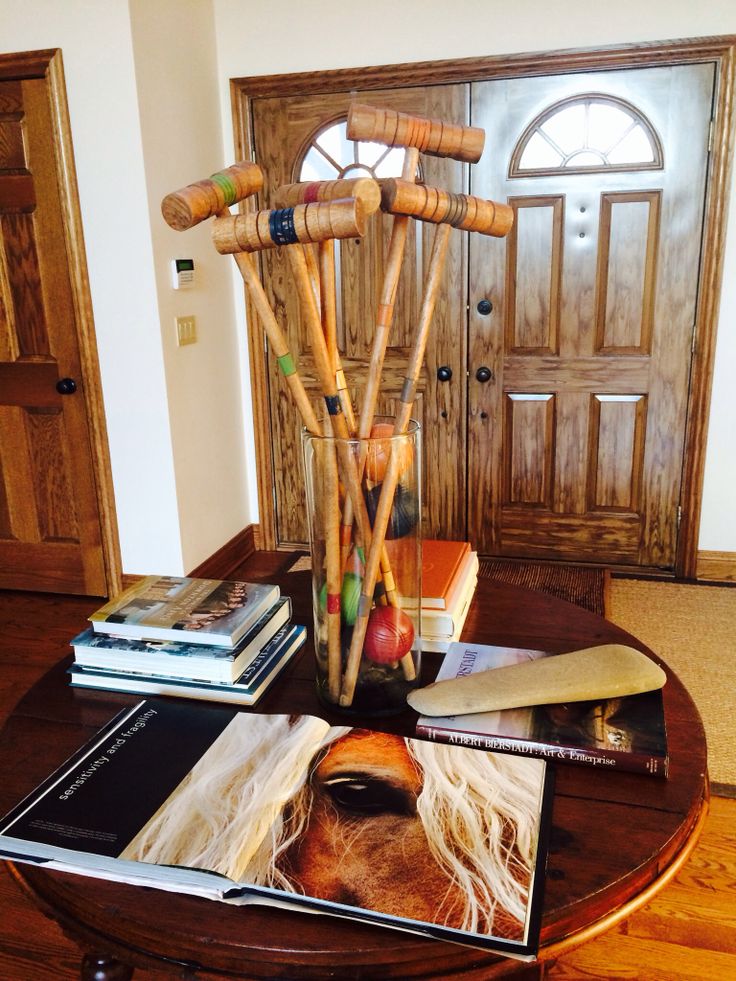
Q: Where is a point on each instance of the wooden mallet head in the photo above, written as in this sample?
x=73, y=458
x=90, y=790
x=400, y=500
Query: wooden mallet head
x=433, y=136
x=195, y=203
x=310, y=192
x=304, y=223
x=464, y=211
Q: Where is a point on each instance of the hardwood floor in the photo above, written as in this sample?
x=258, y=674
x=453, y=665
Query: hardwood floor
x=687, y=934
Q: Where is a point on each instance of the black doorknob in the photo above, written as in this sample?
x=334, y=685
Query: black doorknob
x=485, y=307
x=484, y=374
x=66, y=386
x=444, y=373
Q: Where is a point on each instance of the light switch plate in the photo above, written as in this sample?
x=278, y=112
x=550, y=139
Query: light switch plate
x=186, y=330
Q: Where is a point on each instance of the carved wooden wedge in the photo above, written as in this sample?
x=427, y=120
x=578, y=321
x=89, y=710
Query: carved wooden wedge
x=608, y=671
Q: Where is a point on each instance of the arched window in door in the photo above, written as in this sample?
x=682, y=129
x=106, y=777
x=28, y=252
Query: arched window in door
x=587, y=133
x=331, y=155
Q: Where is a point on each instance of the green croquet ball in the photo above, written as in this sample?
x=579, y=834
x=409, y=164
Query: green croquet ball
x=350, y=597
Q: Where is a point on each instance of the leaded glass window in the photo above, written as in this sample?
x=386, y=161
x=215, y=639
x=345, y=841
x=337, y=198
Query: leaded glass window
x=332, y=155
x=587, y=133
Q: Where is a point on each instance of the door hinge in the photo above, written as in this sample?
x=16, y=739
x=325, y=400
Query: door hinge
x=711, y=129
x=679, y=516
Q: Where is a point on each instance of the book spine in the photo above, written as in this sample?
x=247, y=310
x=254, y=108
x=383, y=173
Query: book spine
x=602, y=760
x=436, y=645
x=446, y=626
x=275, y=651
x=433, y=603
x=439, y=624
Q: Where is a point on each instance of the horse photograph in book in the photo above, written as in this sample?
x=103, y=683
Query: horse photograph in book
x=406, y=828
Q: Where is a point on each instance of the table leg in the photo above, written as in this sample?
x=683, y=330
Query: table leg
x=100, y=967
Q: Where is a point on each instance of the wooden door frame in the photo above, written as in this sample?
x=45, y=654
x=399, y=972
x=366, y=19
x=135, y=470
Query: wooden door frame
x=720, y=50
x=47, y=64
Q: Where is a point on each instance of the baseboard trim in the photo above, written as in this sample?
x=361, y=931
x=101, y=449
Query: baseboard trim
x=225, y=560
x=716, y=566
x=222, y=563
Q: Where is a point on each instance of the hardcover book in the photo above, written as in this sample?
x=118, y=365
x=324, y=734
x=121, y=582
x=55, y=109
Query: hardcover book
x=180, y=659
x=438, y=645
x=246, y=808
x=441, y=563
x=262, y=671
x=625, y=733
x=199, y=611
x=466, y=578
x=443, y=624
x=440, y=642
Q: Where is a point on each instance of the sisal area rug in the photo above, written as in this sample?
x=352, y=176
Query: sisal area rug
x=585, y=586
x=693, y=629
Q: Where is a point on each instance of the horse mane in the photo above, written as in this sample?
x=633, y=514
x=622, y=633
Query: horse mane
x=479, y=813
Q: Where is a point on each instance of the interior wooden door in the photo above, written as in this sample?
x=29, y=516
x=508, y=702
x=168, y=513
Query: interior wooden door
x=577, y=425
x=283, y=131
x=51, y=535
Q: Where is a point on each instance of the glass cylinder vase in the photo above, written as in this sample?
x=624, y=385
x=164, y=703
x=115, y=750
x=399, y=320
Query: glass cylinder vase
x=363, y=499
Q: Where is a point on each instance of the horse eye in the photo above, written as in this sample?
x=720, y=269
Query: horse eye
x=369, y=795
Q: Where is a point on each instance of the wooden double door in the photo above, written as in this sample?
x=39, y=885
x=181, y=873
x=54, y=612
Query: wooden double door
x=555, y=388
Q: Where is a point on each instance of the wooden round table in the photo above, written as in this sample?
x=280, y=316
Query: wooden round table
x=617, y=837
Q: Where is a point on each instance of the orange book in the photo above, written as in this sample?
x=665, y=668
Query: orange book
x=441, y=563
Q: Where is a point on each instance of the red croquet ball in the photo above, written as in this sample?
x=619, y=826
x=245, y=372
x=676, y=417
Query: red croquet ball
x=389, y=635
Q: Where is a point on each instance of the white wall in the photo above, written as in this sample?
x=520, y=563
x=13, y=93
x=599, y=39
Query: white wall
x=718, y=521
x=142, y=88
x=177, y=76
x=262, y=37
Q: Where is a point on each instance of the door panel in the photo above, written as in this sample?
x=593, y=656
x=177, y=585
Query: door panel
x=534, y=260
x=283, y=128
x=50, y=532
x=575, y=445
x=627, y=261
x=618, y=425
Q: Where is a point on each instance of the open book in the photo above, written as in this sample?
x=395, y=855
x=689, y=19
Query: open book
x=239, y=807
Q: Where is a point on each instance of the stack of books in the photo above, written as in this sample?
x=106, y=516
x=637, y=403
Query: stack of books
x=622, y=733
x=449, y=578
x=196, y=638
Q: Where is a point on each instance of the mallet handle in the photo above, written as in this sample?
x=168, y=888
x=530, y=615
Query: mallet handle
x=286, y=226
x=391, y=477
x=338, y=421
x=278, y=342
x=192, y=204
x=328, y=295
x=333, y=570
x=396, y=248
x=314, y=272
x=310, y=192
x=433, y=136
x=434, y=204
x=323, y=367
x=392, y=271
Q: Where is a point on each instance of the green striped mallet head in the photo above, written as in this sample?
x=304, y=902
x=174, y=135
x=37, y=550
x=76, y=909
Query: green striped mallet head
x=195, y=203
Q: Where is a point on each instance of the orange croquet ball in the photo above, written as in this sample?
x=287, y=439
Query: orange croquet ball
x=378, y=452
